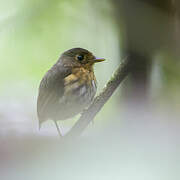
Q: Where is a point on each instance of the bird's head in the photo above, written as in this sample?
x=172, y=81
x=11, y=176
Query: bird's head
x=78, y=57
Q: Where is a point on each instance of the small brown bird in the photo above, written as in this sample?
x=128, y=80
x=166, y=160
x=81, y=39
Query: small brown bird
x=68, y=87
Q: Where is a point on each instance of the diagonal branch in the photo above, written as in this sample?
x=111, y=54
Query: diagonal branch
x=89, y=114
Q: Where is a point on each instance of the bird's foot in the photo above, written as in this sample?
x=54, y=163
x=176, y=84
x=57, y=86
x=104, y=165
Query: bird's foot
x=58, y=129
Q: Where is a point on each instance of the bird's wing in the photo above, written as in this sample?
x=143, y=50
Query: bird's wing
x=51, y=89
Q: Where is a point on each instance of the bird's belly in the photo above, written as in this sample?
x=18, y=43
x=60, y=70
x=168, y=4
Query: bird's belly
x=75, y=100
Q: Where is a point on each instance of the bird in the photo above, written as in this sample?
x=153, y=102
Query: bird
x=68, y=87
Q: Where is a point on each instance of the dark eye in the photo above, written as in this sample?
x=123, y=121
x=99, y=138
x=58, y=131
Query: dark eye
x=80, y=57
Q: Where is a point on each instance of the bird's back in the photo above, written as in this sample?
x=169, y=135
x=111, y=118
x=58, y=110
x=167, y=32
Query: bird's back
x=50, y=89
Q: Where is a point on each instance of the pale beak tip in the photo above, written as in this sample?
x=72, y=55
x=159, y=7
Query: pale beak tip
x=99, y=59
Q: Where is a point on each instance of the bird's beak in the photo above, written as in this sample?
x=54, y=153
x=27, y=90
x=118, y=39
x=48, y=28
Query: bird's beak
x=96, y=60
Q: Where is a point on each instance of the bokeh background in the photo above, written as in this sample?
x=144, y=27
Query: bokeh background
x=136, y=134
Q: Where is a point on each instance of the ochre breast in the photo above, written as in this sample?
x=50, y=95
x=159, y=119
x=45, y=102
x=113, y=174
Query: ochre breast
x=79, y=91
x=80, y=79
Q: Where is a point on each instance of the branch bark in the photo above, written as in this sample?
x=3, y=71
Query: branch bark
x=89, y=114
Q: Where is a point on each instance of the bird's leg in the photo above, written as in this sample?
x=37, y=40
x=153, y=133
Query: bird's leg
x=92, y=122
x=57, y=127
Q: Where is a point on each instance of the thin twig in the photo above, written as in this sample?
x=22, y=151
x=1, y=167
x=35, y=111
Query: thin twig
x=89, y=114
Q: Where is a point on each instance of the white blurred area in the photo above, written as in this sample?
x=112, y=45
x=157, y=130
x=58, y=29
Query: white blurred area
x=140, y=145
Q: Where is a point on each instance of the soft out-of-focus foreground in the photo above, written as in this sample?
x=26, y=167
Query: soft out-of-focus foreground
x=137, y=133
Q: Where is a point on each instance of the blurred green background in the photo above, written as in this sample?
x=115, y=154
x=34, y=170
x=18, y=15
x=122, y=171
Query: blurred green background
x=137, y=132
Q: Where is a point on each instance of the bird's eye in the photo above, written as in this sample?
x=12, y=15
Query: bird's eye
x=80, y=57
